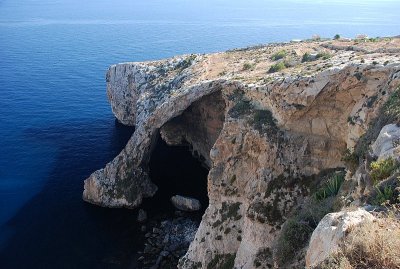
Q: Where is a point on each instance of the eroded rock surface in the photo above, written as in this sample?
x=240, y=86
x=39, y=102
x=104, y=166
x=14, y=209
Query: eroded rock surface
x=388, y=142
x=264, y=136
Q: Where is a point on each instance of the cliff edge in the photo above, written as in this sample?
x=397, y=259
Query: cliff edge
x=271, y=122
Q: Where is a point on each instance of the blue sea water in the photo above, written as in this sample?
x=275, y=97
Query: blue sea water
x=55, y=123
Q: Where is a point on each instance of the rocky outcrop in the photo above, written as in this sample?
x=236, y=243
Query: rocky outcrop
x=266, y=137
x=330, y=232
x=388, y=142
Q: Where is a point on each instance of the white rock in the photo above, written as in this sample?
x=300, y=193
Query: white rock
x=330, y=232
x=388, y=142
x=185, y=203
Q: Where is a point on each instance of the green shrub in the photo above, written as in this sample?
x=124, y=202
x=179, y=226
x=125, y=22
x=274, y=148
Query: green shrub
x=336, y=37
x=263, y=118
x=307, y=57
x=222, y=261
x=351, y=159
x=294, y=236
x=383, y=169
x=247, y=66
x=323, y=55
x=240, y=108
x=331, y=187
x=383, y=196
x=297, y=230
x=279, y=55
x=188, y=61
x=277, y=67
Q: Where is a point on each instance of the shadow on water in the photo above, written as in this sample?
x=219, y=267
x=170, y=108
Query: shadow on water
x=57, y=229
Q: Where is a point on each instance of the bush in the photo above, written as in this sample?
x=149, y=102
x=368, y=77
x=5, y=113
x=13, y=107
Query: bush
x=331, y=187
x=277, y=67
x=383, y=196
x=382, y=169
x=263, y=118
x=247, y=66
x=323, y=55
x=294, y=236
x=373, y=245
x=351, y=159
x=336, y=37
x=297, y=230
x=187, y=62
x=307, y=57
x=279, y=55
x=241, y=108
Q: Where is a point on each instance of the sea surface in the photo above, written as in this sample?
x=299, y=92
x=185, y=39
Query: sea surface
x=56, y=126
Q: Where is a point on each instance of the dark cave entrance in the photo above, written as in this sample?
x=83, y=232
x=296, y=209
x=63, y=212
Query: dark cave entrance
x=177, y=172
x=181, y=166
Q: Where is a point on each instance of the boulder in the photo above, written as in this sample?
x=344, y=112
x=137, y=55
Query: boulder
x=185, y=203
x=388, y=142
x=330, y=231
x=142, y=216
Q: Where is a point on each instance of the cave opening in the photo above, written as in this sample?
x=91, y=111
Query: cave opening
x=176, y=171
x=180, y=158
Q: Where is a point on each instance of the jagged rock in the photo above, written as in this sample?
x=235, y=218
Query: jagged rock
x=142, y=216
x=265, y=137
x=185, y=203
x=388, y=142
x=330, y=232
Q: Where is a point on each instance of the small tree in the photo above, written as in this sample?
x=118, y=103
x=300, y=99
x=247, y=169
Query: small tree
x=336, y=37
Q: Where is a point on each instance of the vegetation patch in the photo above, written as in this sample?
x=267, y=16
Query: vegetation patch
x=383, y=169
x=248, y=66
x=242, y=107
x=297, y=230
x=263, y=120
x=350, y=159
x=222, y=261
x=265, y=212
x=277, y=67
x=263, y=257
x=386, y=193
x=323, y=55
x=331, y=187
x=307, y=57
x=279, y=55
x=389, y=113
x=187, y=62
x=372, y=245
x=228, y=211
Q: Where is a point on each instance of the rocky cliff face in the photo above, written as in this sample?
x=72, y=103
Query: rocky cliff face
x=267, y=137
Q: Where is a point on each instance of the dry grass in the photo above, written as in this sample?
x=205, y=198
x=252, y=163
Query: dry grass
x=374, y=245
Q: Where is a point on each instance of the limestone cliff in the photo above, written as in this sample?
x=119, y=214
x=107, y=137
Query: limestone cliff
x=267, y=126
